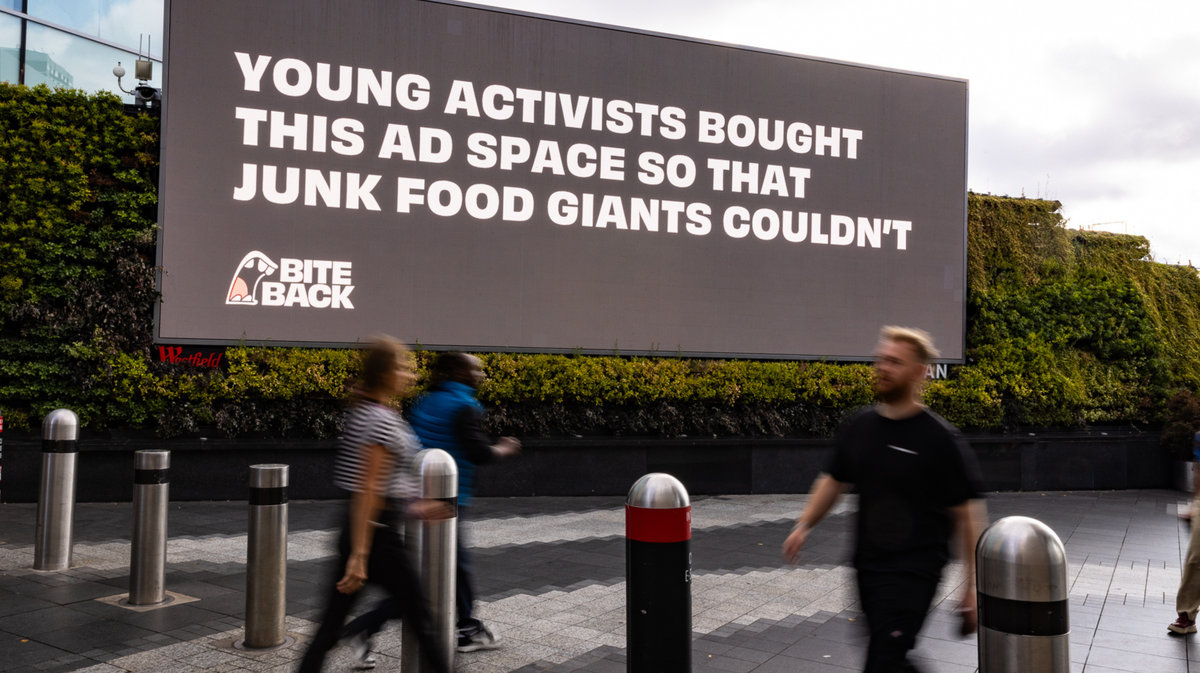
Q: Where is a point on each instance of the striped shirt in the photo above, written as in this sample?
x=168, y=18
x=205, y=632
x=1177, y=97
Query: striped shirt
x=372, y=423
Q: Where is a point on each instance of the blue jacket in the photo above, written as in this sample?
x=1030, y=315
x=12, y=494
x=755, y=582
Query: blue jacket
x=442, y=418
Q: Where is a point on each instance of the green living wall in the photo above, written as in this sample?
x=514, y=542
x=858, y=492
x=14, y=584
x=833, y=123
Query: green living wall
x=1066, y=328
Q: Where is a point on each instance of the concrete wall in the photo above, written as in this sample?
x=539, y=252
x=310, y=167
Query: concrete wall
x=218, y=469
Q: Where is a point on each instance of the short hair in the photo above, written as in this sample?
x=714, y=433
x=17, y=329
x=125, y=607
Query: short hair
x=382, y=355
x=920, y=340
x=450, y=364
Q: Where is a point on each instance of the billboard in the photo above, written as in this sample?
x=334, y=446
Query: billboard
x=464, y=177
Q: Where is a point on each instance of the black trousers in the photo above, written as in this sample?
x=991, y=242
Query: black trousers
x=388, y=566
x=895, y=604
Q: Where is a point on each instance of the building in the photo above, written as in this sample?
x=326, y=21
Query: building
x=76, y=43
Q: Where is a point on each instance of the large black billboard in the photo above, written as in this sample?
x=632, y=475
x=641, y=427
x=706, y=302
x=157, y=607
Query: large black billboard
x=465, y=177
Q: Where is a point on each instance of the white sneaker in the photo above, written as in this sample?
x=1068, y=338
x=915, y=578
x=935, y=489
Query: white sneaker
x=483, y=639
x=362, y=652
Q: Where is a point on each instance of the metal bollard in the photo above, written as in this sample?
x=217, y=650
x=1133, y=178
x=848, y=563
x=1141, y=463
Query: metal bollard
x=658, y=576
x=55, y=533
x=148, y=557
x=266, y=557
x=1021, y=576
x=433, y=546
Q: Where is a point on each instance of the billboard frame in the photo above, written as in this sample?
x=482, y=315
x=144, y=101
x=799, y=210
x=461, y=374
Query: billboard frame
x=164, y=111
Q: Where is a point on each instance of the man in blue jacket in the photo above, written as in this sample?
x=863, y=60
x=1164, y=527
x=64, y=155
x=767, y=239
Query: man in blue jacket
x=449, y=417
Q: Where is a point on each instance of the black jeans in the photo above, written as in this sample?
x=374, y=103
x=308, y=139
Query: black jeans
x=388, y=566
x=464, y=593
x=895, y=604
x=467, y=624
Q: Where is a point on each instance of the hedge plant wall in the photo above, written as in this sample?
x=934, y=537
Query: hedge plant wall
x=1065, y=328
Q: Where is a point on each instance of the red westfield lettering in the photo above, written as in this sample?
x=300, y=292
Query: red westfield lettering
x=174, y=355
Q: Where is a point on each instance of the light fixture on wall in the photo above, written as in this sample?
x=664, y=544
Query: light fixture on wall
x=143, y=94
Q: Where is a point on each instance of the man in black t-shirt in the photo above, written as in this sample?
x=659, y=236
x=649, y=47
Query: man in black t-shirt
x=916, y=478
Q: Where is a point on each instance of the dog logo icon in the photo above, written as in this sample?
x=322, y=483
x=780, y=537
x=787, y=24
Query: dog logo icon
x=243, y=291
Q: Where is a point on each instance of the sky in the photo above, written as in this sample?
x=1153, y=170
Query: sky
x=1095, y=104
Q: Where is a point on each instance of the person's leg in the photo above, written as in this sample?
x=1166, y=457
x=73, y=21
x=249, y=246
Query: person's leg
x=372, y=622
x=895, y=605
x=337, y=606
x=464, y=593
x=1187, y=601
x=390, y=567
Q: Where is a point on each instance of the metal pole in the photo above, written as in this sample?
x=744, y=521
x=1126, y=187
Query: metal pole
x=266, y=557
x=148, y=558
x=1021, y=576
x=658, y=576
x=55, y=535
x=433, y=546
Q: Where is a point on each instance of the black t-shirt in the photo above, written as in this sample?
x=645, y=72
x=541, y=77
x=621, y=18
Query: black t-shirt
x=909, y=472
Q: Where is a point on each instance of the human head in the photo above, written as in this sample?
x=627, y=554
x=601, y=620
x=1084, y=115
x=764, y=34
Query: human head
x=387, y=369
x=460, y=368
x=900, y=361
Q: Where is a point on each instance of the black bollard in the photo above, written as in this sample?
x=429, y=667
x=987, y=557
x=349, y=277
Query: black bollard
x=658, y=576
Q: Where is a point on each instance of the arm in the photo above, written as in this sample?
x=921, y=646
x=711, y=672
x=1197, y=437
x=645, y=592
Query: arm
x=472, y=436
x=825, y=494
x=967, y=519
x=365, y=506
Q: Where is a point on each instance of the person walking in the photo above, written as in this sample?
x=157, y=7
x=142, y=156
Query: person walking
x=1187, y=601
x=917, y=480
x=372, y=464
x=450, y=417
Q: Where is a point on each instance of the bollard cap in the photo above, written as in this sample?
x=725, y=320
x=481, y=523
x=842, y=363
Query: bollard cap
x=270, y=475
x=61, y=425
x=438, y=474
x=1021, y=559
x=658, y=491
x=151, y=460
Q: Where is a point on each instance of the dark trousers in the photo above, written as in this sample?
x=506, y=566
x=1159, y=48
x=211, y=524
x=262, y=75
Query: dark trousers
x=895, y=605
x=372, y=622
x=463, y=591
x=388, y=566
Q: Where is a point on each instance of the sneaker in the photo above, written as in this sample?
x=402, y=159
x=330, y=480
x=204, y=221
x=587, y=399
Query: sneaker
x=1182, y=625
x=362, y=653
x=481, y=639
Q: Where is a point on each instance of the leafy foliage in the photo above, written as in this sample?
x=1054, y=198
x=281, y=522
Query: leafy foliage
x=1065, y=328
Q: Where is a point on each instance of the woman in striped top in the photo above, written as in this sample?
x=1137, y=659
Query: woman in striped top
x=372, y=466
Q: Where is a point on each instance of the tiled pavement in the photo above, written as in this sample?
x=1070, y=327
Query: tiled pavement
x=551, y=582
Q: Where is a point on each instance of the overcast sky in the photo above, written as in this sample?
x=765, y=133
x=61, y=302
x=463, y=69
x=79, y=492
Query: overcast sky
x=1096, y=104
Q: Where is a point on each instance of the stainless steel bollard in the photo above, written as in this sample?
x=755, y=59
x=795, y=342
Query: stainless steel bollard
x=658, y=576
x=148, y=556
x=55, y=533
x=1021, y=576
x=433, y=546
x=266, y=557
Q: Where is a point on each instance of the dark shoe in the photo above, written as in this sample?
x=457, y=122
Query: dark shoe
x=481, y=639
x=362, y=654
x=1183, y=625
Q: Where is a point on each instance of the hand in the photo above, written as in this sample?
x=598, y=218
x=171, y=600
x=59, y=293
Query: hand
x=356, y=574
x=507, y=446
x=967, y=609
x=431, y=510
x=793, y=543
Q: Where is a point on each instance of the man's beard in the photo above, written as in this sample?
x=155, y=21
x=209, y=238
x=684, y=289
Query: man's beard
x=894, y=394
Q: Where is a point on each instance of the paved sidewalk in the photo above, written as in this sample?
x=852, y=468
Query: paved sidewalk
x=551, y=582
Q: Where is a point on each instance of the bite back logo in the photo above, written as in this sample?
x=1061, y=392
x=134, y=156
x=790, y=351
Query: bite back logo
x=307, y=283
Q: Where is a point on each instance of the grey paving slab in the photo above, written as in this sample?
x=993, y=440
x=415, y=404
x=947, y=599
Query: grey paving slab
x=551, y=574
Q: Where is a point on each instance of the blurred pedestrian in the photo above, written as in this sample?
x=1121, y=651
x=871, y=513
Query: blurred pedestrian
x=1187, y=601
x=372, y=464
x=916, y=480
x=450, y=417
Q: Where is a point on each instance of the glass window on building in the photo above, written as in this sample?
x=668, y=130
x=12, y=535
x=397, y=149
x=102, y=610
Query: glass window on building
x=60, y=59
x=125, y=22
x=10, y=48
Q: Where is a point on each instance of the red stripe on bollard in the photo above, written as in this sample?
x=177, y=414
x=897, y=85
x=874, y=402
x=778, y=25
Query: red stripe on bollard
x=658, y=525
